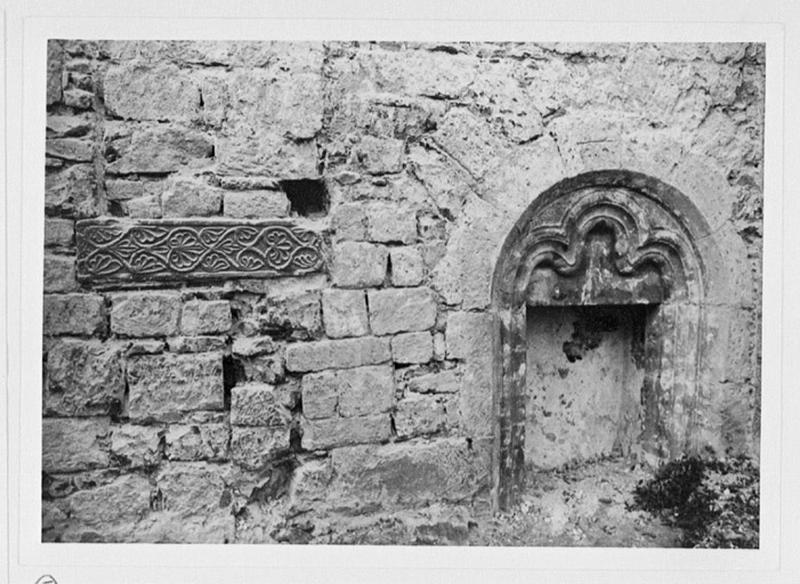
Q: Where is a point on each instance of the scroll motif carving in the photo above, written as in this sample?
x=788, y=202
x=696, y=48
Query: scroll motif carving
x=117, y=251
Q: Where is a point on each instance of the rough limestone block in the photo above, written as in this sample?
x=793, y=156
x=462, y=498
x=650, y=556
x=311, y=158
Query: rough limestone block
x=136, y=446
x=159, y=92
x=445, y=381
x=148, y=207
x=408, y=268
x=339, y=354
x=201, y=344
x=411, y=473
x=202, y=317
x=380, y=155
x=257, y=404
x=145, y=314
x=335, y=432
x=74, y=314
x=59, y=273
x=350, y=392
x=320, y=394
x=193, y=505
x=68, y=125
x=412, y=348
x=197, y=442
x=439, y=346
x=269, y=369
x=107, y=512
x=55, y=65
x=344, y=313
x=72, y=149
x=252, y=346
x=145, y=347
x=163, y=387
x=398, y=310
x=468, y=333
x=300, y=314
x=161, y=149
x=349, y=222
x=391, y=223
x=84, y=377
x=125, y=190
x=254, y=447
x=69, y=445
x=70, y=192
x=78, y=98
x=418, y=415
x=358, y=265
x=256, y=204
x=365, y=390
x=59, y=232
x=191, y=198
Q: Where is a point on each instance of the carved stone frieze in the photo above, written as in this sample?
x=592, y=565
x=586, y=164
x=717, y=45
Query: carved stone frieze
x=125, y=251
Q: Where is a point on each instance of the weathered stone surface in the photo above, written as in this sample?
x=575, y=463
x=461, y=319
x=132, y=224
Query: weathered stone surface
x=202, y=317
x=125, y=190
x=320, y=394
x=267, y=154
x=58, y=232
x=412, y=348
x=144, y=207
x=380, y=155
x=72, y=149
x=59, y=273
x=468, y=333
x=185, y=197
x=145, y=314
x=334, y=432
x=162, y=387
x=407, y=309
x=58, y=125
x=411, y=472
x=252, y=346
x=445, y=381
x=74, y=444
x=257, y=404
x=358, y=265
x=418, y=415
x=55, y=63
x=470, y=337
x=105, y=513
x=338, y=354
x=391, y=223
x=269, y=369
x=141, y=92
x=70, y=192
x=299, y=315
x=76, y=314
x=191, y=503
x=78, y=98
x=145, y=347
x=160, y=149
x=202, y=344
x=195, y=249
x=84, y=377
x=349, y=222
x=344, y=313
x=136, y=446
x=408, y=268
x=254, y=447
x=439, y=346
x=256, y=204
x=197, y=442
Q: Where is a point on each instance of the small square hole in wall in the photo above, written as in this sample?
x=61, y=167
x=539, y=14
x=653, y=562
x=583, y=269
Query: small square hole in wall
x=307, y=197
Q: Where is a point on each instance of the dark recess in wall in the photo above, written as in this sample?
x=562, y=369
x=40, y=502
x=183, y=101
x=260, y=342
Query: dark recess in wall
x=307, y=197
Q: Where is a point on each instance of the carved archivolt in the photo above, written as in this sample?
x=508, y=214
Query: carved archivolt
x=607, y=229
x=115, y=251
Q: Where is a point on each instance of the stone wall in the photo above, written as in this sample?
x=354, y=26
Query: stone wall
x=227, y=409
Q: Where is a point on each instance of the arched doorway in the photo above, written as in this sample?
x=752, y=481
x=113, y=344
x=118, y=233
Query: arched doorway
x=604, y=252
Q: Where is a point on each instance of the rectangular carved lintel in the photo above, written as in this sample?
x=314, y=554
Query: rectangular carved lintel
x=120, y=251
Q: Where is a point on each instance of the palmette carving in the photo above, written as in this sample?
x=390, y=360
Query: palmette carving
x=117, y=251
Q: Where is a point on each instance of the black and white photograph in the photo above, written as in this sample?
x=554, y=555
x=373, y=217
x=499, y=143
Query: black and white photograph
x=405, y=296
x=403, y=293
